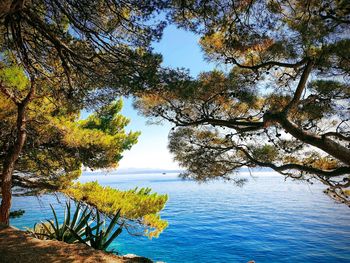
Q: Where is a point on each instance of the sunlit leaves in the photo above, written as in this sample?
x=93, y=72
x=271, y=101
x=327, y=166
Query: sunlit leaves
x=205, y=154
x=214, y=94
x=265, y=153
x=211, y=44
x=87, y=48
x=330, y=89
x=58, y=143
x=99, y=140
x=139, y=205
x=283, y=100
x=13, y=77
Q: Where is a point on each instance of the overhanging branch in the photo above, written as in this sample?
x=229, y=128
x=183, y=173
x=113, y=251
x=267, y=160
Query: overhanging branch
x=345, y=170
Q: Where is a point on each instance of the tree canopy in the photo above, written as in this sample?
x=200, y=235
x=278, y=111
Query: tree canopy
x=58, y=144
x=139, y=207
x=58, y=58
x=83, y=44
x=282, y=101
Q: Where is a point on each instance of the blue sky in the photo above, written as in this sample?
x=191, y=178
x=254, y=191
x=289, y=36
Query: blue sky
x=179, y=49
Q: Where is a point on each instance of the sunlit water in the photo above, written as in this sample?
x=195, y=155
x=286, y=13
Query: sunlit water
x=267, y=220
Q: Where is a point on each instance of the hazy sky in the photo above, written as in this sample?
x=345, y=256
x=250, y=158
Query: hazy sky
x=179, y=49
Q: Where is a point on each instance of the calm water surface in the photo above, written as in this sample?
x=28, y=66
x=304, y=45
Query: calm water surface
x=267, y=220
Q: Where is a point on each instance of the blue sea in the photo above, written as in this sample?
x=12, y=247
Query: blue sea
x=266, y=220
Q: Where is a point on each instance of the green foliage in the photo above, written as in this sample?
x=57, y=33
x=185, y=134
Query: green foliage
x=330, y=89
x=59, y=143
x=13, y=76
x=282, y=102
x=100, y=139
x=107, y=119
x=63, y=231
x=42, y=230
x=97, y=45
x=265, y=153
x=78, y=228
x=101, y=238
x=138, y=205
x=77, y=57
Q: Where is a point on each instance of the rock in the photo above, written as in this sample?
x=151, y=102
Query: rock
x=136, y=259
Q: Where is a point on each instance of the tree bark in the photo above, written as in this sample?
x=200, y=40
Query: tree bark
x=9, y=164
x=329, y=146
x=10, y=6
x=13, y=152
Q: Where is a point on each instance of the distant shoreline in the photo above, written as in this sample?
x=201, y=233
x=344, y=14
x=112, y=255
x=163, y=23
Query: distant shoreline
x=159, y=171
x=90, y=173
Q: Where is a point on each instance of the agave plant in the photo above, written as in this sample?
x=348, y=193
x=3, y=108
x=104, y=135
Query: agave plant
x=52, y=229
x=100, y=238
x=40, y=231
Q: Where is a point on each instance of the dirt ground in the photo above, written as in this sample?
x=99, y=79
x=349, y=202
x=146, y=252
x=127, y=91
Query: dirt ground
x=17, y=246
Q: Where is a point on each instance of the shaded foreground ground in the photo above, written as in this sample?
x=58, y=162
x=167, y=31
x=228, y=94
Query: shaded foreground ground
x=17, y=246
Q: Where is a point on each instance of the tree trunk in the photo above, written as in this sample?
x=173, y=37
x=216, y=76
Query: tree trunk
x=10, y=6
x=9, y=164
x=6, y=193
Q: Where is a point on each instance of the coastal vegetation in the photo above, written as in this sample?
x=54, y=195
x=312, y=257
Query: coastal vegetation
x=100, y=237
x=73, y=225
x=58, y=144
x=140, y=206
x=57, y=59
x=83, y=226
x=282, y=101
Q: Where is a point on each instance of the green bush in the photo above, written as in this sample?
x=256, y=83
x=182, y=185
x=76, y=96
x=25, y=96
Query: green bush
x=78, y=228
x=101, y=239
x=52, y=229
x=137, y=205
